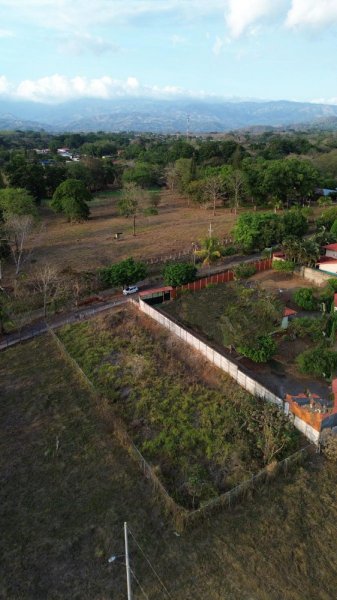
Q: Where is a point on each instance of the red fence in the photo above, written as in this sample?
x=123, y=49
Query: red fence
x=223, y=277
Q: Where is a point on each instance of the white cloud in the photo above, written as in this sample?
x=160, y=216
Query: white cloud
x=243, y=14
x=4, y=85
x=58, y=88
x=62, y=15
x=177, y=40
x=217, y=46
x=312, y=13
x=82, y=43
x=324, y=101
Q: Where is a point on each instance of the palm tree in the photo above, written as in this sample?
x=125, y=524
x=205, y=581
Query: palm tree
x=210, y=250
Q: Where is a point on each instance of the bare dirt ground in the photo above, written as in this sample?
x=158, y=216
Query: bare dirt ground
x=89, y=245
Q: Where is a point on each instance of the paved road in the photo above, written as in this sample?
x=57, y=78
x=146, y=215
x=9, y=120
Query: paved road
x=30, y=331
x=39, y=327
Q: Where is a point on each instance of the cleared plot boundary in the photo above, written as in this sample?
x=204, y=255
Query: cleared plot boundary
x=181, y=517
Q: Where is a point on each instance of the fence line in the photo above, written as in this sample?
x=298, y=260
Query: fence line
x=223, y=277
x=178, y=513
x=181, y=516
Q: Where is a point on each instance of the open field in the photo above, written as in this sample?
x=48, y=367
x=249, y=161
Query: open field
x=91, y=244
x=63, y=507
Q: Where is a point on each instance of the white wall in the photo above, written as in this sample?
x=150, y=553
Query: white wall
x=248, y=383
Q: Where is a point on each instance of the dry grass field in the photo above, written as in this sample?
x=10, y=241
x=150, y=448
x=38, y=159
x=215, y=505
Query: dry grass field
x=90, y=245
x=67, y=487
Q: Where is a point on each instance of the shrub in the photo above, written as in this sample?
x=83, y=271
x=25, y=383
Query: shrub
x=179, y=273
x=333, y=229
x=330, y=447
x=126, y=272
x=262, y=352
x=283, y=265
x=229, y=251
x=295, y=223
x=328, y=217
x=244, y=270
x=304, y=326
x=304, y=297
x=320, y=362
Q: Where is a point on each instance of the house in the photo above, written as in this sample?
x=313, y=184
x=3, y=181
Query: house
x=328, y=262
x=312, y=414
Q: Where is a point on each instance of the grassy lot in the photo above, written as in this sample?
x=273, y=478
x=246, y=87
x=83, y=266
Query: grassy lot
x=90, y=245
x=62, y=509
x=202, y=437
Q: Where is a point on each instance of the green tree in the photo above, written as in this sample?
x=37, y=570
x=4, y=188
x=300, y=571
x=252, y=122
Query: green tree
x=211, y=250
x=142, y=174
x=295, y=223
x=27, y=174
x=255, y=231
x=16, y=201
x=126, y=272
x=304, y=298
x=179, y=273
x=262, y=351
x=248, y=317
x=320, y=362
x=71, y=198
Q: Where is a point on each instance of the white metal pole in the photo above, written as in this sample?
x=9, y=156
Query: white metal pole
x=127, y=562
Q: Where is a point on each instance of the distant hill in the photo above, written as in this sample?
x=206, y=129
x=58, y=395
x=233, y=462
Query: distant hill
x=162, y=116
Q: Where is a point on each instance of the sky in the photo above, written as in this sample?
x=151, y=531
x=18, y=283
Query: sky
x=57, y=50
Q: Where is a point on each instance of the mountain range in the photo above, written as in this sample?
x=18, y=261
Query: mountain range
x=162, y=116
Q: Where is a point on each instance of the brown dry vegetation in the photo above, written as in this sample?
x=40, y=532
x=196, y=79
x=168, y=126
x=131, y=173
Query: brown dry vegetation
x=91, y=244
x=63, y=509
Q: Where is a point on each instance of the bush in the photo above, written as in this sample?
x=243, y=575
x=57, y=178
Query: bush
x=333, y=229
x=306, y=326
x=126, y=272
x=244, y=270
x=261, y=353
x=320, y=362
x=283, y=265
x=295, y=223
x=328, y=217
x=229, y=251
x=304, y=297
x=330, y=447
x=179, y=273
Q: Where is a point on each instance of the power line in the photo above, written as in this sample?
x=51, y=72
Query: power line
x=143, y=591
x=152, y=568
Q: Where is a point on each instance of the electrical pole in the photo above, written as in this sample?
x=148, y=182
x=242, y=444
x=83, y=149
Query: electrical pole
x=127, y=562
x=210, y=230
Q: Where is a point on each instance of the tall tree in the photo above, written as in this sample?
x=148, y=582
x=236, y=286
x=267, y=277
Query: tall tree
x=71, y=198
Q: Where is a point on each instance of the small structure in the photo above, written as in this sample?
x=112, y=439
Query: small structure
x=311, y=411
x=156, y=295
x=288, y=313
x=329, y=261
x=117, y=235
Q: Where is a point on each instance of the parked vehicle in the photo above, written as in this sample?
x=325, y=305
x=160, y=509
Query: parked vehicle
x=131, y=289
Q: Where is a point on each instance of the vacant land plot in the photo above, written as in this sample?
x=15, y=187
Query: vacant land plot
x=91, y=244
x=201, y=438
x=66, y=489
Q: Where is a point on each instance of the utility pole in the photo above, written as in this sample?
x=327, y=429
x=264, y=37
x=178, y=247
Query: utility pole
x=127, y=562
x=210, y=231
